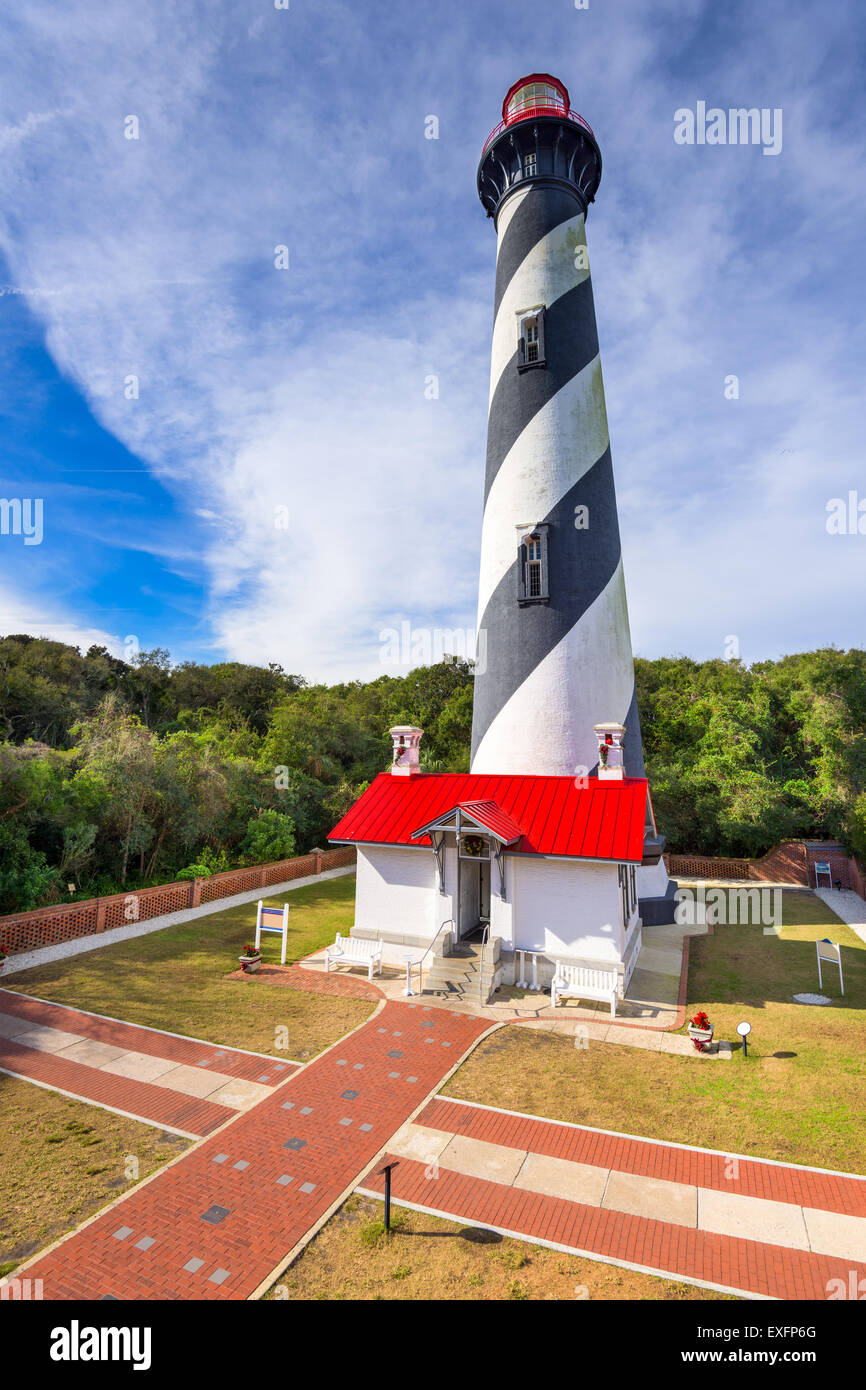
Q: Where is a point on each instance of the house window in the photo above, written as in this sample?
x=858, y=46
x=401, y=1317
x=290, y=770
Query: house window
x=532, y=581
x=530, y=345
x=530, y=165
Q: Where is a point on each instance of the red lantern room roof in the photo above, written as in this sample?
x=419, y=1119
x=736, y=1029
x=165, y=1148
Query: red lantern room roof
x=539, y=94
x=540, y=78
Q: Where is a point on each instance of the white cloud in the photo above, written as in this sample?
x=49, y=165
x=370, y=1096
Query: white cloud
x=261, y=389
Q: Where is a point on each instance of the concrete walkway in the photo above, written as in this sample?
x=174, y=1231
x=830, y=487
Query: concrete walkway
x=847, y=905
x=652, y=1000
x=26, y=960
x=732, y=1223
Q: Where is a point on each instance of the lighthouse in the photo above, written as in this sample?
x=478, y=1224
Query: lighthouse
x=552, y=612
x=556, y=809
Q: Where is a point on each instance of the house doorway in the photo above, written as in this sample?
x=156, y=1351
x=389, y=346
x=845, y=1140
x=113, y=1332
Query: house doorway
x=473, y=898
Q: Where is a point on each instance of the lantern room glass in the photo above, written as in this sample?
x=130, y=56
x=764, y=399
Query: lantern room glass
x=534, y=95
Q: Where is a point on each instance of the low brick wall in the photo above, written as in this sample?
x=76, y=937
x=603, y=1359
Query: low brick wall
x=791, y=862
x=48, y=926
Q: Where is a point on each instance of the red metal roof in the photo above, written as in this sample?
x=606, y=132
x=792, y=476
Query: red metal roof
x=599, y=820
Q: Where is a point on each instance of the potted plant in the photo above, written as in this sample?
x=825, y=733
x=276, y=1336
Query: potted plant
x=701, y=1031
x=251, y=959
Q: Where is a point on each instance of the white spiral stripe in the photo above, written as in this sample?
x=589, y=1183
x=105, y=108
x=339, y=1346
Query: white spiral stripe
x=547, y=724
x=559, y=445
x=546, y=272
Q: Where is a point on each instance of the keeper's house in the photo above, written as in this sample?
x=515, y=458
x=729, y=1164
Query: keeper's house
x=544, y=865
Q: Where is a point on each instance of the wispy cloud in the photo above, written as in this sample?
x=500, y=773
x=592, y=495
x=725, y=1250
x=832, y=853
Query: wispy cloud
x=258, y=389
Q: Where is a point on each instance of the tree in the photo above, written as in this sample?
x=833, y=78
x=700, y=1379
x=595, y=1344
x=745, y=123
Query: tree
x=25, y=875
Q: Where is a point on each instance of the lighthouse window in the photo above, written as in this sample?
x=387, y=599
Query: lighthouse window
x=530, y=165
x=533, y=567
x=530, y=346
x=532, y=584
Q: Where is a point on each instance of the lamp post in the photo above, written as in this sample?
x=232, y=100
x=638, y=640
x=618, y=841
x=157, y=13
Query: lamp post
x=744, y=1029
x=387, y=1171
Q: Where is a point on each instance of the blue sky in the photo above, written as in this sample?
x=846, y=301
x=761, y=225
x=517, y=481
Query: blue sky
x=299, y=394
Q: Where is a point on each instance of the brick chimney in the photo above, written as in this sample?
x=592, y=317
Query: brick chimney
x=610, y=751
x=406, y=757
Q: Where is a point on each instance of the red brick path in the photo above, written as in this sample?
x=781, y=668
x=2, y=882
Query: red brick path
x=248, y=1066
x=778, y=1182
x=170, y=1237
x=142, y=1099
x=747, y=1265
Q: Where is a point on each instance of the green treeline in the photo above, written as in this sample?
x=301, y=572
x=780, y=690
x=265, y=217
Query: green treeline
x=118, y=774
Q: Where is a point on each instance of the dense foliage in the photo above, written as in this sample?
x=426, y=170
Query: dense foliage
x=116, y=774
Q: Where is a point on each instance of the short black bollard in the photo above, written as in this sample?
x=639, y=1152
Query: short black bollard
x=387, y=1171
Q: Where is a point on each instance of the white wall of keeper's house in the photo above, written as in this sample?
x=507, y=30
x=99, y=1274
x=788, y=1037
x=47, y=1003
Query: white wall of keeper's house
x=564, y=909
x=397, y=894
x=567, y=908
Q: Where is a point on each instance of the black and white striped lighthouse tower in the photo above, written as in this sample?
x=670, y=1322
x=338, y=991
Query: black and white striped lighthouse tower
x=554, y=648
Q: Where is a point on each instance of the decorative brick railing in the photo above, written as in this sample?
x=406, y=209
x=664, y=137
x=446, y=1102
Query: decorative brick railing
x=702, y=866
x=48, y=926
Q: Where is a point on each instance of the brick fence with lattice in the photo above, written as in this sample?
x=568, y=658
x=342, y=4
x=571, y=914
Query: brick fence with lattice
x=791, y=862
x=48, y=926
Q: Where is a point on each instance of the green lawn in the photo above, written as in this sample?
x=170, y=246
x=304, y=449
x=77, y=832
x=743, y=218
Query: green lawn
x=797, y=1097
x=62, y=1160
x=176, y=979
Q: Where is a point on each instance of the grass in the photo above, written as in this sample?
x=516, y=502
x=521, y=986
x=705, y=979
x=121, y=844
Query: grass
x=175, y=979
x=798, y=1096
x=61, y=1161
x=426, y=1258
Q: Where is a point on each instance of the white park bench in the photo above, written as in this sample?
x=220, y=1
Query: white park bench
x=578, y=982
x=354, y=950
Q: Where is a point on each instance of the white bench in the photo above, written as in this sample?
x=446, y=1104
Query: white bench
x=578, y=982
x=354, y=950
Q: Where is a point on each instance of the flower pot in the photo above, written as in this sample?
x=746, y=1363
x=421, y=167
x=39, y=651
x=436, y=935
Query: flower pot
x=701, y=1037
x=250, y=963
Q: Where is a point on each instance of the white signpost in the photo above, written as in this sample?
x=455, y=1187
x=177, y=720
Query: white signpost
x=823, y=867
x=283, y=930
x=829, y=951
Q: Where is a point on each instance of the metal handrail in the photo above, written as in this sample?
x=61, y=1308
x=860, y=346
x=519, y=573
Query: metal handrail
x=528, y=113
x=449, y=921
x=484, y=939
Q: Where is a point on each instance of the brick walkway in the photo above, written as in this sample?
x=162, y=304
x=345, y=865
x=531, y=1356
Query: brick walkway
x=785, y=1233
x=111, y=1063
x=218, y=1221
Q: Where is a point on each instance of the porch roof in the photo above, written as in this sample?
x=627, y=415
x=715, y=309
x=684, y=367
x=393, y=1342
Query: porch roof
x=488, y=815
x=600, y=819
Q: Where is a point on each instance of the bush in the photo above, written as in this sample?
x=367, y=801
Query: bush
x=270, y=835
x=195, y=871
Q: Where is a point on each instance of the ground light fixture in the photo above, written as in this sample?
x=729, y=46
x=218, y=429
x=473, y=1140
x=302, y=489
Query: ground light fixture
x=744, y=1029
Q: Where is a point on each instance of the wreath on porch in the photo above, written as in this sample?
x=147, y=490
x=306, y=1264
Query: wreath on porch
x=474, y=846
